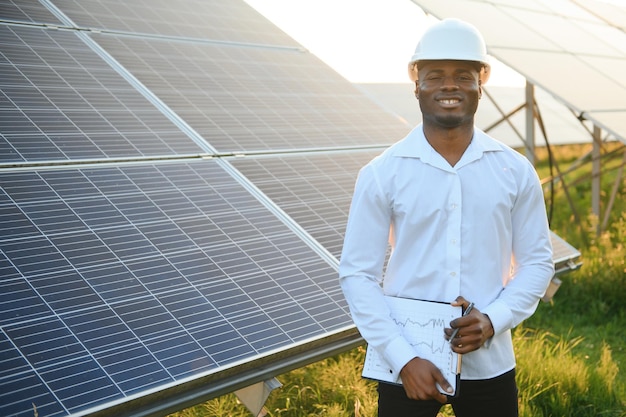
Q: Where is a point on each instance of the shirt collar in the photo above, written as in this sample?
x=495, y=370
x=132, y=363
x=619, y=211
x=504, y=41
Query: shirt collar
x=415, y=145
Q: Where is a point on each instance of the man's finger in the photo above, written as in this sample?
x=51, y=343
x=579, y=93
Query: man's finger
x=443, y=383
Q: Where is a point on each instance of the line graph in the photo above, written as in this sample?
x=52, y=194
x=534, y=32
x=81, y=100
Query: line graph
x=422, y=324
x=426, y=335
x=409, y=322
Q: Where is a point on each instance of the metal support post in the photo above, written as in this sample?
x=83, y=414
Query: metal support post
x=595, y=173
x=530, y=122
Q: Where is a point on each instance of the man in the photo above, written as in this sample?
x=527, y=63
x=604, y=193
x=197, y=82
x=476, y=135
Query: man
x=466, y=221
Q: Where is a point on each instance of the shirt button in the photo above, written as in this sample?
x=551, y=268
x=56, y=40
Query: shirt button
x=453, y=241
x=453, y=274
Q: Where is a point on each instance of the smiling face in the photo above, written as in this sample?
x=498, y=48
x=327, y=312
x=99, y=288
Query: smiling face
x=448, y=92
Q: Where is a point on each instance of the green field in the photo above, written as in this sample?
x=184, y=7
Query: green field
x=569, y=353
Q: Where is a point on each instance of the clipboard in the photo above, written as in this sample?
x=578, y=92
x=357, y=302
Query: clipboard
x=421, y=323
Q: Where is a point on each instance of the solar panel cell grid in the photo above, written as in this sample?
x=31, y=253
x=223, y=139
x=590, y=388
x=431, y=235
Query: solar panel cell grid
x=246, y=99
x=232, y=21
x=101, y=308
x=46, y=343
x=14, y=224
x=113, y=283
x=17, y=299
x=21, y=385
x=31, y=11
x=61, y=101
x=315, y=190
x=65, y=292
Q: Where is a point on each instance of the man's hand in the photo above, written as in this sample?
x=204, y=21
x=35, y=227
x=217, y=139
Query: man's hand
x=419, y=377
x=474, y=329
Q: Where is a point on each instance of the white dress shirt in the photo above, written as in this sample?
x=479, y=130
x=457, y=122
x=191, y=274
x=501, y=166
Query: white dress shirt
x=478, y=229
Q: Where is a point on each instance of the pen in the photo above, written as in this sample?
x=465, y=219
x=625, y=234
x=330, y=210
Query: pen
x=465, y=313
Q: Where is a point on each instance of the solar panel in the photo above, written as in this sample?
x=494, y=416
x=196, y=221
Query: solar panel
x=176, y=271
x=126, y=279
x=144, y=265
x=313, y=189
x=60, y=101
x=26, y=11
x=255, y=99
x=555, y=44
x=209, y=20
x=565, y=255
x=611, y=12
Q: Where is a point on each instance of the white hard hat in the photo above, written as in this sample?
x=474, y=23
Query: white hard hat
x=451, y=39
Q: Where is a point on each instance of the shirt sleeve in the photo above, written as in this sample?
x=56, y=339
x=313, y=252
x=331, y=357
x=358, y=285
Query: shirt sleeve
x=361, y=269
x=532, y=265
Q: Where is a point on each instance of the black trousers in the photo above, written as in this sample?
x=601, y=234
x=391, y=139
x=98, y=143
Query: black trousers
x=495, y=397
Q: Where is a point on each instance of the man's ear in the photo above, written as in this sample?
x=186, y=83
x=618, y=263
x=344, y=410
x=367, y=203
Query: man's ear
x=480, y=89
x=417, y=89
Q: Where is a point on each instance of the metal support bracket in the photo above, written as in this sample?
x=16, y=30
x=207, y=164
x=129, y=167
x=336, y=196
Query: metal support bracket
x=254, y=396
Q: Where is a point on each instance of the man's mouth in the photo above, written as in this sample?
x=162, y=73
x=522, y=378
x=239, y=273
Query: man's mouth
x=449, y=101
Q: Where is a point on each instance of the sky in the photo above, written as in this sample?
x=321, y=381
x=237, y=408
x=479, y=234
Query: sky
x=366, y=41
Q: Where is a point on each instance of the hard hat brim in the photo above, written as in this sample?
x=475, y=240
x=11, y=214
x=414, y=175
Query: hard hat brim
x=483, y=76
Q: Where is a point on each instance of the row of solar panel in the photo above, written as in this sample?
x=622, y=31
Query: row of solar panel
x=61, y=101
x=172, y=267
x=129, y=263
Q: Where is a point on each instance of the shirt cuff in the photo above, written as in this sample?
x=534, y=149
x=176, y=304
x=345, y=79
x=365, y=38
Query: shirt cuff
x=398, y=353
x=500, y=315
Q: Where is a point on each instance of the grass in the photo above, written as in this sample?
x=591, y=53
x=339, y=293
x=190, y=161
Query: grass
x=569, y=353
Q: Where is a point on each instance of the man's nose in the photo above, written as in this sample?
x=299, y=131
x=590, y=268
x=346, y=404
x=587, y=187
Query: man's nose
x=449, y=82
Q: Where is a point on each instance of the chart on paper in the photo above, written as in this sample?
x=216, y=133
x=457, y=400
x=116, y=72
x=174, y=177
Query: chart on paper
x=422, y=323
